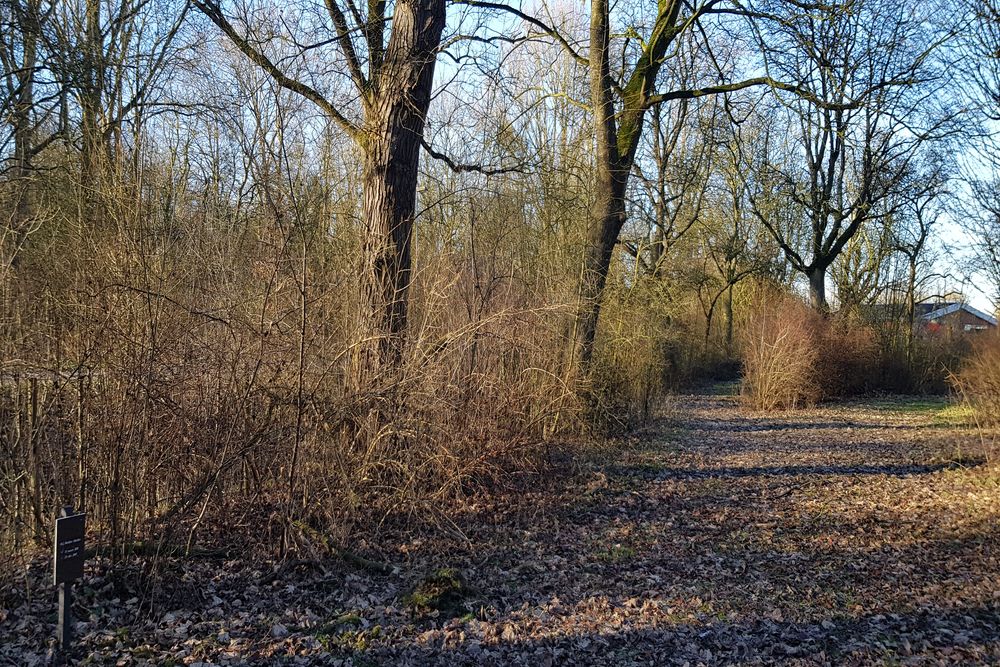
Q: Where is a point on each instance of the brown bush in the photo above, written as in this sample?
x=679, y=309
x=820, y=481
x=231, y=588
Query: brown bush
x=218, y=402
x=978, y=382
x=794, y=356
x=918, y=365
x=220, y=425
x=780, y=354
x=639, y=353
x=847, y=357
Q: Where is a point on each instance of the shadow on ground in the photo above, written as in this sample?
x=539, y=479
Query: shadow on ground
x=960, y=636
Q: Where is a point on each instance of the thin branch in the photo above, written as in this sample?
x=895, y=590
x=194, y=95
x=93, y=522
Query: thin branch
x=799, y=91
x=346, y=45
x=546, y=30
x=210, y=8
x=458, y=167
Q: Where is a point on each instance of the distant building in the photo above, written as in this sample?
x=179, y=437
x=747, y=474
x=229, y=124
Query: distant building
x=953, y=319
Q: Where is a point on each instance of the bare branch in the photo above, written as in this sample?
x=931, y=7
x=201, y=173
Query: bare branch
x=211, y=9
x=459, y=167
x=546, y=30
x=347, y=46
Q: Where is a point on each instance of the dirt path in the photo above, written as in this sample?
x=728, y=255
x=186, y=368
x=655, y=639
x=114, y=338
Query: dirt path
x=844, y=535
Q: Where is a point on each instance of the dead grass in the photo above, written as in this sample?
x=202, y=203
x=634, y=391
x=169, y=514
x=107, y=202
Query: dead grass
x=978, y=383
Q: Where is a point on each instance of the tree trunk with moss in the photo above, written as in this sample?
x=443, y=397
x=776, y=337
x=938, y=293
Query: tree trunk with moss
x=616, y=141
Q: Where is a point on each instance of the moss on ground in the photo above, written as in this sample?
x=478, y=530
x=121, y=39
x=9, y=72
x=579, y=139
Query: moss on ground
x=444, y=591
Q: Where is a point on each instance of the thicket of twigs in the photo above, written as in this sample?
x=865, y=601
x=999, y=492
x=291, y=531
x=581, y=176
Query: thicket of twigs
x=211, y=328
x=780, y=354
x=185, y=374
x=979, y=381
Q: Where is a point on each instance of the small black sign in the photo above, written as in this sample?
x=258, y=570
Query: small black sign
x=69, y=548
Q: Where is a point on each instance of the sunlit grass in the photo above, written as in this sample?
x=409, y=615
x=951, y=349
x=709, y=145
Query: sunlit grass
x=936, y=410
x=959, y=414
x=923, y=405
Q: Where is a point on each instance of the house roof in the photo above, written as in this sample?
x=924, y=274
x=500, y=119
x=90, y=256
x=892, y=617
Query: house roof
x=925, y=307
x=954, y=308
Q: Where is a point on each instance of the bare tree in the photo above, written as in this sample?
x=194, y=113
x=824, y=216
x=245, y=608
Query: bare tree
x=981, y=82
x=735, y=243
x=921, y=209
x=390, y=59
x=620, y=99
x=110, y=60
x=868, y=79
x=623, y=87
x=981, y=61
x=670, y=181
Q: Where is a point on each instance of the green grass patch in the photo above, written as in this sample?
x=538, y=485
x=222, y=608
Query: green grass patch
x=616, y=554
x=340, y=622
x=960, y=414
x=648, y=466
x=727, y=388
x=938, y=410
x=912, y=405
x=354, y=641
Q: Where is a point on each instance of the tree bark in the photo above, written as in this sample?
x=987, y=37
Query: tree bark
x=606, y=220
x=91, y=91
x=817, y=288
x=729, y=319
x=618, y=127
x=911, y=309
x=612, y=170
x=394, y=98
x=391, y=143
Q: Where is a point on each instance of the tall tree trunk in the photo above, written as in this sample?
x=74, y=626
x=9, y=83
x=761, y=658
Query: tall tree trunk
x=91, y=91
x=606, y=220
x=392, y=141
x=911, y=309
x=24, y=133
x=389, y=183
x=729, y=319
x=617, y=133
x=394, y=99
x=608, y=212
x=817, y=288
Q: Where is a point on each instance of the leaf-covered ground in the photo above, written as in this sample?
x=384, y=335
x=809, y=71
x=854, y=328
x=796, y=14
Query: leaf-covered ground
x=855, y=534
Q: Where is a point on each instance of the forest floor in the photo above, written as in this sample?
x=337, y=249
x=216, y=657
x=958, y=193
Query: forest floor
x=861, y=533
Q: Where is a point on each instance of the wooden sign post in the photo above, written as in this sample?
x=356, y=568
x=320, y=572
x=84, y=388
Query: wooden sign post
x=68, y=566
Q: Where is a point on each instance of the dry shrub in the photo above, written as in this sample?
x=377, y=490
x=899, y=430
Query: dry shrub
x=794, y=356
x=220, y=407
x=218, y=424
x=847, y=360
x=921, y=364
x=780, y=354
x=640, y=352
x=927, y=371
x=934, y=361
x=473, y=407
x=978, y=382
